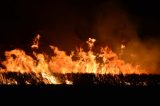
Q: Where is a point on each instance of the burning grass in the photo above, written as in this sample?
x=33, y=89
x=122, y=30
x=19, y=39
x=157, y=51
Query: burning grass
x=14, y=78
x=86, y=67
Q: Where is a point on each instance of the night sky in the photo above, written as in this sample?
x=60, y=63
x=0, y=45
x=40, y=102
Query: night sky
x=70, y=21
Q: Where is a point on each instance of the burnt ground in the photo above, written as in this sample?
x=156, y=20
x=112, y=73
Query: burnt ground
x=128, y=80
x=85, y=86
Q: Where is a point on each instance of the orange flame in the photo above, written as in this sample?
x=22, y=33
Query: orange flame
x=86, y=62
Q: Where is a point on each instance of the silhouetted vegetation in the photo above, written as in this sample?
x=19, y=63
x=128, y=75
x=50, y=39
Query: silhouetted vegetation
x=132, y=80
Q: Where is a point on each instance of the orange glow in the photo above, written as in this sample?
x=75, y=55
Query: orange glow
x=104, y=62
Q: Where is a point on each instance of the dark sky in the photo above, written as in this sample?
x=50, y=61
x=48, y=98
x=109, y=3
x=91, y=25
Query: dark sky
x=20, y=20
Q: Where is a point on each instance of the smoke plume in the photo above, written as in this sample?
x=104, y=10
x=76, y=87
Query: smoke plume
x=114, y=26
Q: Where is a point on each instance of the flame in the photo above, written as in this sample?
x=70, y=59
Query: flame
x=36, y=42
x=68, y=82
x=79, y=61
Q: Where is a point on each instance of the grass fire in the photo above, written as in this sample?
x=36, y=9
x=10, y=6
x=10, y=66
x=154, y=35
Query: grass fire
x=90, y=66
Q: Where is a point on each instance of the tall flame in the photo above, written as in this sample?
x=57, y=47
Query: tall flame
x=79, y=61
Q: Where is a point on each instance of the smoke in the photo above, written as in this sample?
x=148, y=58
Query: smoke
x=68, y=24
x=115, y=26
x=146, y=53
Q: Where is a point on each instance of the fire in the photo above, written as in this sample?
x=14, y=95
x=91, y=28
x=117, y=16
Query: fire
x=36, y=42
x=79, y=61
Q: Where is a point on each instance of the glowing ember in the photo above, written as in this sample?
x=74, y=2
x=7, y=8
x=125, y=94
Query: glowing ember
x=68, y=82
x=86, y=62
